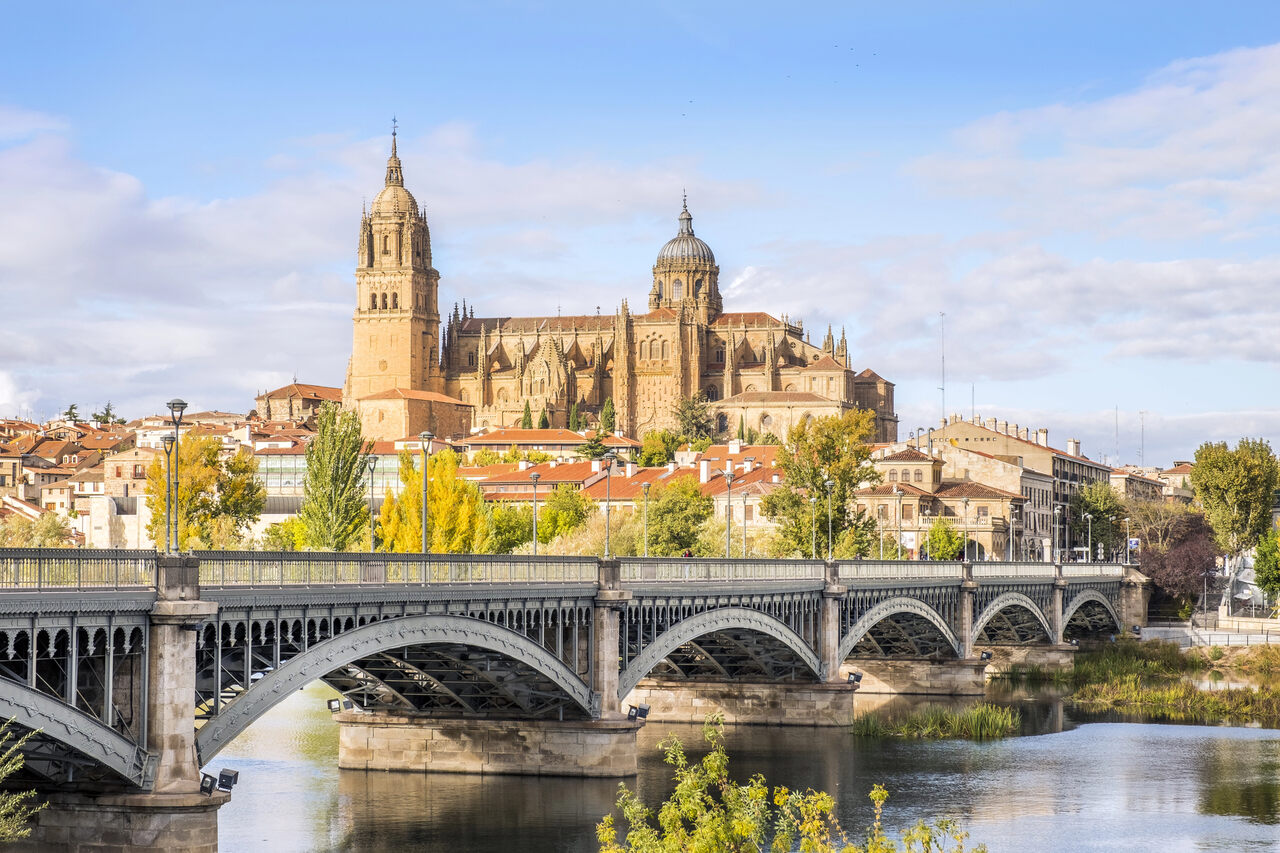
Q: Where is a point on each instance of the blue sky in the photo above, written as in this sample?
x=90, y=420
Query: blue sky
x=1088, y=191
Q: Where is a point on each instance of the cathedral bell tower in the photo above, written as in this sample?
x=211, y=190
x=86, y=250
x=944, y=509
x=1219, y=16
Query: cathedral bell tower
x=396, y=323
x=686, y=275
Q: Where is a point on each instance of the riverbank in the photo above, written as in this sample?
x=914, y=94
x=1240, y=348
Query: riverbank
x=980, y=722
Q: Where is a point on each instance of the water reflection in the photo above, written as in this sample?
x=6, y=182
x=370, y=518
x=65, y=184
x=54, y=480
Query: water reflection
x=1066, y=786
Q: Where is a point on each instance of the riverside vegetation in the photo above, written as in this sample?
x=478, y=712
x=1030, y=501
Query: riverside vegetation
x=709, y=812
x=1151, y=677
x=980, y=722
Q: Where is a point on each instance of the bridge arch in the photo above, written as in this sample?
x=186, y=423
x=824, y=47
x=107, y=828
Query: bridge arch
x=1086, y=597
x=1005, y=601
x=890, y=607
x=710, y=622
x=386, y=635
x=75, y=734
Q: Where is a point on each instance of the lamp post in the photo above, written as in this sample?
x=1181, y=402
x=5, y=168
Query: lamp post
x=928, y=513
x=176, y=407
x=535, y=476
x=897, y=491
x=1013, y=514
x=607, y=460
x=965, y=501
x=744, y=525
x=728, y=510
x=426, y=468
x=645, y=488
x=1053, y=552
x=372, y=462
x=813, y=525
x=1088, y=517
x=168, y=441
x=830, y=484
x=1127, y=555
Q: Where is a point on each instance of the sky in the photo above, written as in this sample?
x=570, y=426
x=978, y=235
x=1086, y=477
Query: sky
x=1078, y=204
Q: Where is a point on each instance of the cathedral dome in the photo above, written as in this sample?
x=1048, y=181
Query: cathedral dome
x=393, y=199
x=684, y=246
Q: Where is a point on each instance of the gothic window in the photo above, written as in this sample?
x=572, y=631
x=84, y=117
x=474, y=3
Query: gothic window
x=749, y=388
x=919, y=476
x=386, y=244
x=697, y=287
x=713, y=393
x=722, y=422
x=471, y=359
x=666, y=353
x=720, y=355
x=677, y=289
x=791, y=386
x=373, y=300
x=502, y=397
x=384, y=300
x=465, y=396
x=766, y=421
x=658, y=289
x=893, y=476
x=395, y=300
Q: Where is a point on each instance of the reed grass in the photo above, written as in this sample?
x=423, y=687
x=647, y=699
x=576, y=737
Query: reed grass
x=1182, y=700
x=979, y=722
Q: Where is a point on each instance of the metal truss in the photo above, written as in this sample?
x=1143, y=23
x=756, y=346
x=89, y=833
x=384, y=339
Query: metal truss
x=1089, y=613
x=1012, y=619
x=900, y=626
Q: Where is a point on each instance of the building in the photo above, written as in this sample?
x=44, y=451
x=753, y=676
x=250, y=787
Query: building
x=561, y=444
x=295, y=402
x=750, y=365
x=1131, y=485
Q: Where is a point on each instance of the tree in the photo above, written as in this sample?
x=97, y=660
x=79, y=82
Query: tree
x=1108, y=512
x=710, y=812
x=217, y=499
x=1179, y=567
x=677, y=512
x=334, y=510
x=694, y=418
x=544, y=422
x=573, y=417
x=608, y=417
x=944, y=542
x=565, y=509
x=658, y=447
x=486, y=456
x=1236, y=489
x=819, y=449
x=287, y=535
x=457, y=518
x=742, y=428
x=241, y=496
x=512, y=526
x=72, y=413
x=1266, y=563
x=17, y=808
x=107, y=415
x=50, y=530
x=526, y=420
x=594, y=447
x=1156, y=524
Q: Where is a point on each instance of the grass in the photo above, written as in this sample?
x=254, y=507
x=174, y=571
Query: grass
x=1153, y=659
x=980, y=722
x=1180, y=700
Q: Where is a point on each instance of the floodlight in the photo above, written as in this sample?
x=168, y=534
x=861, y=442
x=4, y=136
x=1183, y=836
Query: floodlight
x=227, y=779
x=208, y=784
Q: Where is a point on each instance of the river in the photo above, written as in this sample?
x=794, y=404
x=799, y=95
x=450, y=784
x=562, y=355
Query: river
x=1072, y=782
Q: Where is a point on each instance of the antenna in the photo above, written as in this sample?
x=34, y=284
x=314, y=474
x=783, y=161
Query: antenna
x=1142, y=440
x=942, y=333
x=973, y=406
x=1117, y=434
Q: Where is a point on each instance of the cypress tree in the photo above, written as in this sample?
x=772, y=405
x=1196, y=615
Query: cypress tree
x=526, y=420
x=608, y=417
x=544, y=422
x=573, y=417
x=742, y=429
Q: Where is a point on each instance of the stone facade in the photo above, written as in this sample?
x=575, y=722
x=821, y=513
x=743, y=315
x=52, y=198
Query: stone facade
x=921, y=677
x=383, y=741
x=783, y=703
x=750, y=365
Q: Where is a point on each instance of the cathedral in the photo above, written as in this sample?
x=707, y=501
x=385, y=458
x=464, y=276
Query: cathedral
x=406, y=375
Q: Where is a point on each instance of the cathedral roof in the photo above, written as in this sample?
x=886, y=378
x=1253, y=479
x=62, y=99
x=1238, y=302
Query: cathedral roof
x=776, y=397
x=393, y=198
x=684, y=246
x=747, y=318
x=826, y=363
x=528, y=325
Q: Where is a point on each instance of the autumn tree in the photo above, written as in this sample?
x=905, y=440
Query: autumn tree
x=17, y=807
x=335, y=510
x=1266, y=563
x=218, y=497
x=1236, y=488
x=565, y=509
x=658, y=447
x=457, y=519
x=1107, y=514
x=50, y=530
x=677, y=512
x=511, y=526
x=1179, y=562
x=944, y=542
x=819, y=449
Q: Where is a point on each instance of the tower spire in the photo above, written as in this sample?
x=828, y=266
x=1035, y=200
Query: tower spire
x=395, y=177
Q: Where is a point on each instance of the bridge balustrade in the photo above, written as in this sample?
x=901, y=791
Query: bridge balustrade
x=1014, y=570
x=641, y=569
x=310, y=568
x=894, y=569
x=1093, y=570
x=68, y=568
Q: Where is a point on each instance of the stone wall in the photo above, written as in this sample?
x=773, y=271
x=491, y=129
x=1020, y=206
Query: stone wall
x=932, y=678
x=773, y=704
x=113, y=824
x=545, y=748
x=1050, y=658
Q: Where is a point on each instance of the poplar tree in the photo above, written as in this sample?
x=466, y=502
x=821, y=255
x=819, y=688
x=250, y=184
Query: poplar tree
x=335, y=511
x=1236, y=489
x=457, y=518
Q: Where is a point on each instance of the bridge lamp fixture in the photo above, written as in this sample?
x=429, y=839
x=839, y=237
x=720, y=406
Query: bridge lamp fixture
x=985, y=656
x=535, y=477
x=1089, y=553
x=830, y=484
x=637, y=712
x=855, y=678
x=426, y=461
x=176, y=407
x=1137, y=630
x=645, y=488
x=372, y=462
x=208, y=784
x=607, y=464
x=168, y=441
x=813, y=525
x=227, y=779
x=335, y=705
x=728, y=509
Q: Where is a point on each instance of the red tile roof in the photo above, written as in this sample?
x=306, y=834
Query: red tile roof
x=825, y=363
x=409, y=394
x=908, y=455
x=306, y=392
x=508, y=437
x=777, y=397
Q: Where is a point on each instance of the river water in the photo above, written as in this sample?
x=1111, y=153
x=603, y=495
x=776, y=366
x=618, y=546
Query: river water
x=1072, y=782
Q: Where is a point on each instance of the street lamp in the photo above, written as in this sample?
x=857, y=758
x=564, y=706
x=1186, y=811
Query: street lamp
x=744, y=525
x=1013, y=516
x=1088, y=516
x=168, y=441
x=426, y=468
x=372, y=462
x=1127, y=555
x=645, y=488
x=728, y=509
x=535, y=476
x=607, y=461
x=1054, y=554
x=928, y=513
x=897, y=491
x=813, y=525
x=830, y=484
x=176, y=407
x=965, y=501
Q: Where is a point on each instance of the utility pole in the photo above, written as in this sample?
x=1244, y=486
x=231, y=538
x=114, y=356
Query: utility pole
x=942, y=332
x=1142, y=438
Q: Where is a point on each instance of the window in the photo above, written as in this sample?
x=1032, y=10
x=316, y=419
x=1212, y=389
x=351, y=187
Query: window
x=677, y=289
x=919, y=476
x=720, y=355
x=748, y=513
x=882, y=511
x=906, y=475
x=139, y=471
x=697, y=287
x=119, y=472
x=666, y=353
x=893, y=476
x=713, y=393
x=982, y=512
x=373, y=300
x=395, y=303
x=384, y=300
x=907, y=512
x=386, y=250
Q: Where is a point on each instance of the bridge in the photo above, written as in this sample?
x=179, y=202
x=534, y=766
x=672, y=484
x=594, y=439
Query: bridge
x=134, y=669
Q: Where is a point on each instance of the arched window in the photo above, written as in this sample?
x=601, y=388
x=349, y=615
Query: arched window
x=386, y=244
x=713, y=393
x=465, y=396
x=666, y=353
x=722, y=422
x=471, y=359
x=720, y=355
x=373, y=300
x=697, y=287
x=893, y=476
x=677, y=290
x=384, y=300
x=658, y=289
x=906, y=475
x=919, y=476
x=766, y=421
x=395, y=300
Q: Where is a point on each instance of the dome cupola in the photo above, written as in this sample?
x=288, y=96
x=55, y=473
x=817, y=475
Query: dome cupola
x=685, y=246
x=685, y=275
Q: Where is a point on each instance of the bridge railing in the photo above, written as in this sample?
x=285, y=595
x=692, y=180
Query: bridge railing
x=1092, y=570
x=312, y=568
x=1014, y=570
x=76, y=568
x=642, y=569
x=857, y=570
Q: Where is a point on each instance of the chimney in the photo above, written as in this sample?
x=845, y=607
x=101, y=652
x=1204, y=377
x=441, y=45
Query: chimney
x=671, y=467
x=977, y=421
x=553, y=463
x=1073, y=446
x=630, y=469
x=991, y=424
x=1003, y=428
x=774, y=478
x=1042, y=437
x=704, y=470
x=735, y=446
x=595, y=467
x=1022, y=433
x=524, y=466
